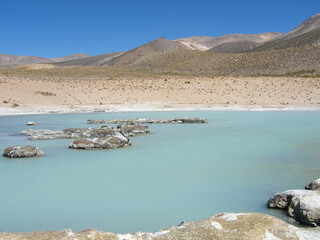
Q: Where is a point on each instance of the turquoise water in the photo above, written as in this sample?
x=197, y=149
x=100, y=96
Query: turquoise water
x=178, y=173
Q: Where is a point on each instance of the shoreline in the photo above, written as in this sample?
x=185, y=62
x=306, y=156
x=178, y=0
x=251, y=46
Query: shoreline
x=148, y=107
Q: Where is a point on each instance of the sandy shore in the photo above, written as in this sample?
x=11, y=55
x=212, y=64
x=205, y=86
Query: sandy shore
x=22, y=95
x=147, y=107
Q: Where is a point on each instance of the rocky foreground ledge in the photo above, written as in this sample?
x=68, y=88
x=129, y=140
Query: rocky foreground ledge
x=151, y=121
x=253, y=226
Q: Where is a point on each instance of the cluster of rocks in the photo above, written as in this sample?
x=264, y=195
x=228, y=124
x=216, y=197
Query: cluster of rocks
x=253, y=226
x=104, y=137
x=116, y=140
x=151, y=121
x=303, y=204
x=127, y=129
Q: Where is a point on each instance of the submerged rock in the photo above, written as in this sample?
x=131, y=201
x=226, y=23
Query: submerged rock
x=133, y=129
x=22, y=152
x=302, y=205
x=31, y=123
x=108, y=142
x=69, y=133
x=151, y=121
x=244, y=226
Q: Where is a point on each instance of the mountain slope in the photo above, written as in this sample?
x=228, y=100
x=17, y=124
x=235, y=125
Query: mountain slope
x=203, y=43
x=307, y=26
x=97, y=60
x=287, y=62
x=133, y=56
x=147, y=51
x=7, y=60
x=70, y=57
x=306, y=34
x=234, y=47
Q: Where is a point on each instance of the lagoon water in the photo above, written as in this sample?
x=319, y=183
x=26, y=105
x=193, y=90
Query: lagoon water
x=178, y=173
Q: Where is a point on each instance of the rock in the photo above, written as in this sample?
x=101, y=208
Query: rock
x=83, y=144
x=133, y=129
x=22, y=152
x=108, y=142
x=31, y=123
x=70, y=133
x=253, y=226
x=302, y=205
x=315, y=185
x=150, y=121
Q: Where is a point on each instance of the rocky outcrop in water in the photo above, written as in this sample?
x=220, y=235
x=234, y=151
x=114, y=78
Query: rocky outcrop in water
x=315, y=185
x=69, y=133
x=117, y=140
x=31, y=123
x=302, y=205
x=22, y=152
x=131, y=129
x=150, y=121
x=127, y=129
x=253, y=226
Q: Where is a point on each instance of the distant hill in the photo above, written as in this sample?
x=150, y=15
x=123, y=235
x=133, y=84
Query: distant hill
x=98, y=60
x=306, y=34
x=7, y=60
x=145, y=52
x=141, y=53
x=234, y=47
x=203, y=43
x=70, y=57
x=203, y=54
x=302, y=61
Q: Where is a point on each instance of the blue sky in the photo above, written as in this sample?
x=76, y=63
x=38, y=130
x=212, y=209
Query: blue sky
x=54, y=28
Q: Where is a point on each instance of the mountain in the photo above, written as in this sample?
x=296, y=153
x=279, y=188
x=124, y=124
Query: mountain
x=144, y=52
x=203, y=43
x=7, y=60
x=163, y=51
x=234, y=47
x=303, y=62
x=70, y=57
x=196, y=43
x=97, y=60
x=306, y=34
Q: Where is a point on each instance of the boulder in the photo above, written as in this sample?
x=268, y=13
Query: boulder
x=130, y=129
x=22, y=152
x=245, y=226
x=108, y=142
x=315, y=185
x=302, y=205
